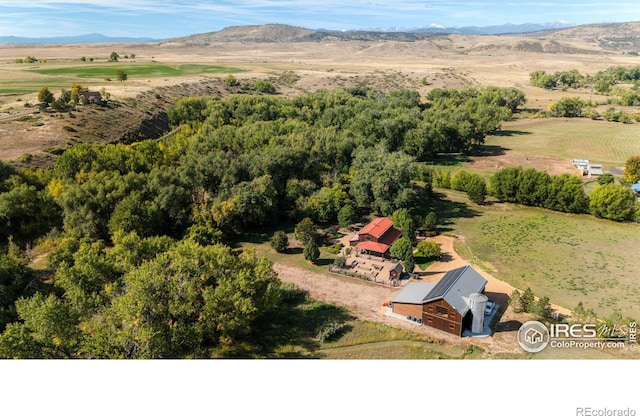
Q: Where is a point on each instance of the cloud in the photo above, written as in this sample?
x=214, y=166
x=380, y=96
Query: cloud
x=167, y=18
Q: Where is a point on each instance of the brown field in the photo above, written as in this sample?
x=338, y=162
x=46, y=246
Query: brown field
x=453, y=61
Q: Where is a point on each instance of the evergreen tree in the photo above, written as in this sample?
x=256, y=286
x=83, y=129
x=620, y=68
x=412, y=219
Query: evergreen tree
x=311, y=251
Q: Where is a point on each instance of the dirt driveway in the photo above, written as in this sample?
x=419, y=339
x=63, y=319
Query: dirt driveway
x=365, y=300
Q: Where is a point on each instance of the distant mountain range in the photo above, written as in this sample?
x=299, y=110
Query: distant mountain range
x=505, y=29
x=90, y=38
x=286, y=33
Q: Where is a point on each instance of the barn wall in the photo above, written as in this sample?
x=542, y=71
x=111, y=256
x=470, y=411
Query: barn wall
x=407, y=309
x=451, y=322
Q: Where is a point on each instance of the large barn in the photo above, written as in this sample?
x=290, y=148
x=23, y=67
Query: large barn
x=454, y=304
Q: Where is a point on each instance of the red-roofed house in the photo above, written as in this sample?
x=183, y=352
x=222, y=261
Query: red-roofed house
x=376, y=237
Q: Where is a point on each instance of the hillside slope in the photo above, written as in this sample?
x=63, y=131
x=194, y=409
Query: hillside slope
x=609, y=37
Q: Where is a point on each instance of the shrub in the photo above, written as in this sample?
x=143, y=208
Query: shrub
x=430, y=222
x=461, y=180
x=279, y=242
x=264, y=87
x=330, y=331
x=477, y=189
x=231, y=81
x=428, y=249
x=336, y=248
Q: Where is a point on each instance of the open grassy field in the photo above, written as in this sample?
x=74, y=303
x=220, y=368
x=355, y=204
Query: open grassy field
x=24, y=79
x=142, y=70
x=602, y=142
x=569, y=258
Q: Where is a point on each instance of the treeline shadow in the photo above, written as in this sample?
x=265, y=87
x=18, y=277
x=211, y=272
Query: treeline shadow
x=448, y=211
x=489, y=150
x=511, y=133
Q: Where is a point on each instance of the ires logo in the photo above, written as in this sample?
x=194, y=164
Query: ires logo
x=534, y=336
x=573, y=331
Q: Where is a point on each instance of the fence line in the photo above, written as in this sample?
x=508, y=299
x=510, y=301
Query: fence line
x=345, y=272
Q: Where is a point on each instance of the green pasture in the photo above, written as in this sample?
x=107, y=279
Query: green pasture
x=142, y=70
x=569, y=258
x=599, y=141
x=19, y=80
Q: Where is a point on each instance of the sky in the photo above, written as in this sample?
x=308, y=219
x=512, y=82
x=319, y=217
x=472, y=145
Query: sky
x=163, y=19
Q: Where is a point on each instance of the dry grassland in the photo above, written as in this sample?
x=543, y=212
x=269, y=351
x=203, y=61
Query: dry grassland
x=446, y=61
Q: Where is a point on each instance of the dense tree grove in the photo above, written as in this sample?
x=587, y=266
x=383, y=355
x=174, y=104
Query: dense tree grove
x=563, y=193
x=602, y=81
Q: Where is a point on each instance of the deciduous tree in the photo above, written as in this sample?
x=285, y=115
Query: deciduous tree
x=347, y=216
x=613, y=201
x=45, y=96
x=632, y=169
x=306, y=230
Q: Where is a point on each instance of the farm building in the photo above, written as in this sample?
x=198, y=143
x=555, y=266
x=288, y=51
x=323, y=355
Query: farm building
x=376, y=237
x=587, y=168
x=454, y=304
x=91, y=97
x=395, y=272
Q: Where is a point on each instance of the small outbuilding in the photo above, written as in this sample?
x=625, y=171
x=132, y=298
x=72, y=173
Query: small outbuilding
x=587, y=168
x=395, y=272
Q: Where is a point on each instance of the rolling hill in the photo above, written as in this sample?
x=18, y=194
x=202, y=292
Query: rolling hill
x=607, y=37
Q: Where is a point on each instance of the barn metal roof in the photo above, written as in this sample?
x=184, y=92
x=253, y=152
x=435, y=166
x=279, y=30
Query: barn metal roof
x=455, y=287
x=413, y=292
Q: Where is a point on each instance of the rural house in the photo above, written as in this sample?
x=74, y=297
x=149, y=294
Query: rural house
x=376, y=237
x=454, y=304
x=91, y=97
